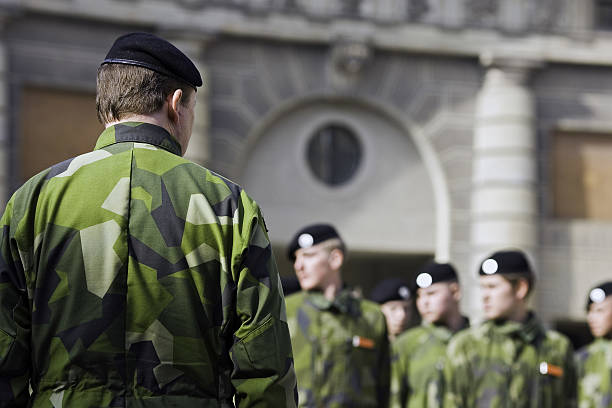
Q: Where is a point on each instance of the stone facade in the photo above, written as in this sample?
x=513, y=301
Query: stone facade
x=454, y=102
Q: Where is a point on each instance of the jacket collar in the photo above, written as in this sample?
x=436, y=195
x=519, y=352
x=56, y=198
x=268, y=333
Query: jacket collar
x=345, y=302
x=138, y=132
x=530, y=331
x=443, y=332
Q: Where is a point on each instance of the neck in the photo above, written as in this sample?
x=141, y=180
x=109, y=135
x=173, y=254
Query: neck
x=519, y=314
x=455, y=320
x=153, y=118
x=332, y=288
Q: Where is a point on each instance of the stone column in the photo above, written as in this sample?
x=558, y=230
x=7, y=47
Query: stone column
x=504, y=194
x=194, y=46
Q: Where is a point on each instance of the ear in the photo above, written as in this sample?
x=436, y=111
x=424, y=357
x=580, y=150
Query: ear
x=336, y=258
x=455, y=291
x=522, y=289
x=174, y=101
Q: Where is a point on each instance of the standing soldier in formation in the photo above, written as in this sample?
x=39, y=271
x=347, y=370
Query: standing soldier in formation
x=419, y=354
x=510, y=360
x=594, y=362
x=395, y=300
x=340, y=341
x=133, y=277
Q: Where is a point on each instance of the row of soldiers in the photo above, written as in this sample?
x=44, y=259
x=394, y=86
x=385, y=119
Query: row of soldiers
x=346, y=355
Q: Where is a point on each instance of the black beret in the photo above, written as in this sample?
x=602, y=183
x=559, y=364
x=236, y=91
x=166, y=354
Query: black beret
x=311, y=235
x=390, y=289
x=599, y=293
x=511, y=262
x=152, y=52
x=434, y=272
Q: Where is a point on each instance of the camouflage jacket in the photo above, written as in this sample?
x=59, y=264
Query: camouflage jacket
x=130, y=276
x=341, y=350
x=594, y=366
x=511, y=364
x=417, y=363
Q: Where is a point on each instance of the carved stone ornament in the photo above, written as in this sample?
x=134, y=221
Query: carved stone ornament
x=194, y=4
x=543, y=15
x=482, y=12
x=416, y=9
x=351, y=7
x=349, y=58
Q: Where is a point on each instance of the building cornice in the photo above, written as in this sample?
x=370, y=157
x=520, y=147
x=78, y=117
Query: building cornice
x=579, y=47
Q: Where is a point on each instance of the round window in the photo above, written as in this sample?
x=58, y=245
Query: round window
x=334, y=154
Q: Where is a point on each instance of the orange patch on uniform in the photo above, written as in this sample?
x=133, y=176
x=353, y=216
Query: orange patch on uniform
x=550, y=369
x=363, y=342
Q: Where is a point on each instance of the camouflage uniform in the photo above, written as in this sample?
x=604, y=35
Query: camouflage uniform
x=341, y=350
x=594, y=366
x=133, y=277
x=500, y=365
x=417, y=377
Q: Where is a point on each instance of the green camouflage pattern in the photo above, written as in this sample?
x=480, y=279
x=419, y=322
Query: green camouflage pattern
x=132, y=277
x=498, y=364
x=594, y=368
x=333, y=369
x=417, y=366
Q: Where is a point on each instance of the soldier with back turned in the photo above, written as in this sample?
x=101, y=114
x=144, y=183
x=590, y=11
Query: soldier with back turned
x=130, y=276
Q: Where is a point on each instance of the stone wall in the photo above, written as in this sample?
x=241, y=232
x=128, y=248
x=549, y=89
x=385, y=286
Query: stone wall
x=574, y=254
x=415, y=63
x=252, y=82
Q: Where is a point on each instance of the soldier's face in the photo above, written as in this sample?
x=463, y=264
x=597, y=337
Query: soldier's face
x=599, y=318
x=397, y=315
x=435, y=302
x=499, y=298
x=313, y=267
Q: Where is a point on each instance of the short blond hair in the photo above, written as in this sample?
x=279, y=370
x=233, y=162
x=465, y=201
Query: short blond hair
x=334, y=243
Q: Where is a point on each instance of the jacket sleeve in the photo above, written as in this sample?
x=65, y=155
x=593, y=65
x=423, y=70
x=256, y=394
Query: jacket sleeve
x=399, y=375
x=584, y=395
x=570, y=379
x=456, y=376
x=263, y=373
x=14, y=319
x=384, y=383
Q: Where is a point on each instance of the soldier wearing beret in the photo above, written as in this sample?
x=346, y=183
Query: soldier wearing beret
x=395, y=300
x=510, y=360
x=339, y=340
x=594, y=362
x=417, y=379
x=133, y=277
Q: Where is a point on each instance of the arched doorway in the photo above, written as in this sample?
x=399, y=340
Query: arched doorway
x=347, y=163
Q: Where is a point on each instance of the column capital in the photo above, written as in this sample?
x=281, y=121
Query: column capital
x=512, y=66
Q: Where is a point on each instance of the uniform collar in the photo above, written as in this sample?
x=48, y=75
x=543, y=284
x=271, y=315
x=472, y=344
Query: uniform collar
x=444, y=332
x=138, y=132
x=530, y=331
x=438, y=331
x=344, y=302
x=602, y=341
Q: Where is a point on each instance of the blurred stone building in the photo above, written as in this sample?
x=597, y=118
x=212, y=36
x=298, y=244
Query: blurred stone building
x=421, y=128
